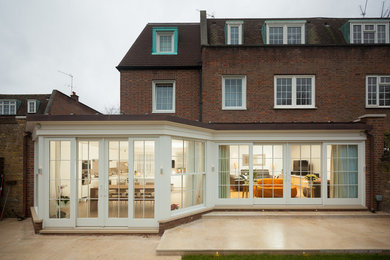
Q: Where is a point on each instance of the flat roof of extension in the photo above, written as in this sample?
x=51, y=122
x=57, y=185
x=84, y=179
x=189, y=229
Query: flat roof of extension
x=210, y=125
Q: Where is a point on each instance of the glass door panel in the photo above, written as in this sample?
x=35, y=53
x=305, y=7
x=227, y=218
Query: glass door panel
x=268, y=171
x=305, y=170
x=88, y=179
x=59, y=179
x=144, y=179
x=118, y=179
x=233, y=171
x=342, y=175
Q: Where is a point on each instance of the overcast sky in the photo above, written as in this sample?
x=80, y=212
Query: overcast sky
x=88, y=38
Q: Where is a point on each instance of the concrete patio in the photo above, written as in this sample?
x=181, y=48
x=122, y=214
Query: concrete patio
x=18, y=241
x=280, y=232
x=222, y=232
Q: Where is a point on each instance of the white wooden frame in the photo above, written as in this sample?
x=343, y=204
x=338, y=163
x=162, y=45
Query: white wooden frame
x=294, y=92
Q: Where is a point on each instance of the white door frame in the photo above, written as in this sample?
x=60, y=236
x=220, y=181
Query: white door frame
x=99, y=221
x=54, y=222
x=142, y=222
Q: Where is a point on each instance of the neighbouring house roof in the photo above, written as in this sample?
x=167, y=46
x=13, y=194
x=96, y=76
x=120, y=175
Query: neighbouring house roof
x=188, y=53
x=323, y=31
x=23, y=98
x=211, y=126
x=55, y=103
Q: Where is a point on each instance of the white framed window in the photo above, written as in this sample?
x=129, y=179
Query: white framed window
x=165, y=41
x=369, y=33
x=294, y=91
x=31, y=106
x=188, y=173
x=234, y=32
x=164, y=96
x=284, y=32
x=7, y=107
x=234, y=92
x=377, y=91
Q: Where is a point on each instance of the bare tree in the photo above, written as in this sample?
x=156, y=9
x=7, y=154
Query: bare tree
x=112, y=110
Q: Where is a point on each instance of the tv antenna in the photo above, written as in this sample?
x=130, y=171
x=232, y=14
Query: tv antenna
x=71, y=80
x=365, y=9
x=385, y=13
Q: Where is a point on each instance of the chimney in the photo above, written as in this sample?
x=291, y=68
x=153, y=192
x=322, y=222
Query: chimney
x=203, y=28
x=74, y=96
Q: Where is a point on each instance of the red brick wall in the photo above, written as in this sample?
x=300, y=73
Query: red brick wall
x=136, y=91
x=378, y=144
x=340, y=75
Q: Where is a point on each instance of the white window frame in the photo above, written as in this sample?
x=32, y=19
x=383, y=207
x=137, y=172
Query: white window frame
x=243, y=93
x=11, y=102
x=377, y=91
x=285, y=25
x=34, y=102
x=161, y=33
x=386, y=24
x=154, y=96
x=228, y=31
x=293, y=92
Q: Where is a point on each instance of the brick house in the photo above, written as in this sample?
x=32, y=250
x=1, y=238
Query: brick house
x=16, y=151
x=226, y=114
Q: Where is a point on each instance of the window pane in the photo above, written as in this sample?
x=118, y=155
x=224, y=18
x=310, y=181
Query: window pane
x=165, y=42
x=294, y=35
x=384, y=94
x=371, y=91
x=233, y=171
x=342, y=166
x=357, y=34
x=234, y=35
x=164, y=96
x=59, y=179
x=233, y=92
x=381, y=34
x=304, y=91
x=284, y=91
x=276, y=35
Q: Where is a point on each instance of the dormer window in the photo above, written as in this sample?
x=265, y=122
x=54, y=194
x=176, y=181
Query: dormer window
x=285, y=32
x=165, y=40
x=234, y=32
x=31, y=106
x=369, y=32
x=7, y=107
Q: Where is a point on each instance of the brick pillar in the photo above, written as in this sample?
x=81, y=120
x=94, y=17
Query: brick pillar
x=30, y=175
x=374, y=153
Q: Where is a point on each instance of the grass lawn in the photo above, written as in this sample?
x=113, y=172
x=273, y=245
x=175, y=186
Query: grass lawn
x=287, y=257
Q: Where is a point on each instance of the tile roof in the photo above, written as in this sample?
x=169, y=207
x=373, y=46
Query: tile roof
x=22, y=111
x=140, y=53
x=321, y=31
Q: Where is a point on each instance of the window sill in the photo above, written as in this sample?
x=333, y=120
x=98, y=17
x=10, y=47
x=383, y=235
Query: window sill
x=164, y=53
x=378, y=107
x=163, y=111
x=292, y=107
x=233, y=108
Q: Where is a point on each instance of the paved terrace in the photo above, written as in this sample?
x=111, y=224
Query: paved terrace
x=223, y=232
